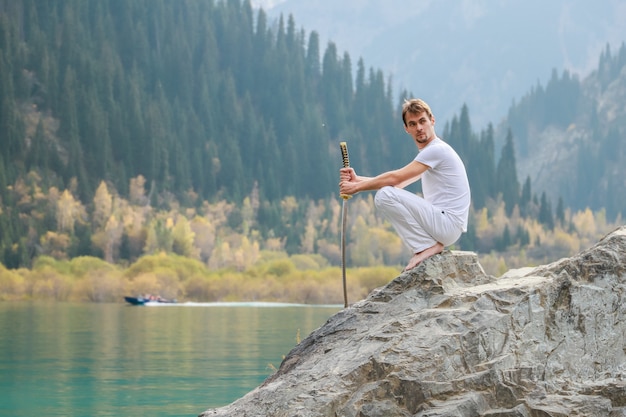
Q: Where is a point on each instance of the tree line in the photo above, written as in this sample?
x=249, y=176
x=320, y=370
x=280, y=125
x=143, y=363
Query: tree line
x=582, y=109
x=197, y=128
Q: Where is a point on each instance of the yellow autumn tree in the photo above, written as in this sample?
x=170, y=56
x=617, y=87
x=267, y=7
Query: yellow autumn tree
x=137, y=191
x=159, y=235
x=102, y=206
x=134, y=219
x=363, y=251
x=183, y=238
x=204, y=237
x=113, y=232
x=248, y=216
x=246, y=254
x=307, y=244
x=221, y=257
x=69, y=210
x=55, y=244
x=107, y=230
x=585, y=223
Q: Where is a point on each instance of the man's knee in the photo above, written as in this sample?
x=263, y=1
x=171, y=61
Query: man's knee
x=384, y=196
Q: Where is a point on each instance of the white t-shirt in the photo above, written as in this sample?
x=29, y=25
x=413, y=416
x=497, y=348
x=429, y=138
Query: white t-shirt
x=445, y=184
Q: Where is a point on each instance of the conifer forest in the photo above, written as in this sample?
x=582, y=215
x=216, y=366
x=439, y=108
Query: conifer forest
x=199, y=130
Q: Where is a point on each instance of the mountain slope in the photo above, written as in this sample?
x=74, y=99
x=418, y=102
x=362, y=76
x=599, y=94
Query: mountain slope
x=570, y=136
x=492, y=56
x=484, y=54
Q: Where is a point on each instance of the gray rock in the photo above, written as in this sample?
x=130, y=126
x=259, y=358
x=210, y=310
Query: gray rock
x=447, y=340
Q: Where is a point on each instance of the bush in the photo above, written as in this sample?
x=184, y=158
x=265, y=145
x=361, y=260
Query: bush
x=12, y=285
x=197, y=288
x=100, y=286
x=279, y=268
x=179, y=266
x=48, y=283
x=47, y=262
x=374, y=277
x=309, y=262
x=86, y=265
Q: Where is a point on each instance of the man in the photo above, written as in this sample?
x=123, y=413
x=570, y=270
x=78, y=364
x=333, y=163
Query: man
x=426, y=225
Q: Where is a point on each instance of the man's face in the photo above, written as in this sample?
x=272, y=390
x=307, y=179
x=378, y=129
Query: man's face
x=420, y=127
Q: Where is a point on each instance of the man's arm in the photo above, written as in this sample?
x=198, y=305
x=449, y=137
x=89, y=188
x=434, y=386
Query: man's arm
x=410, y=181
x=351, y=183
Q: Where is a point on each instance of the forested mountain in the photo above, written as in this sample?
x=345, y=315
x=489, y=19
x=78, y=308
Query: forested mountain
x=185, y=93
x=477, y=52
x=137, y=126
x=570, y=136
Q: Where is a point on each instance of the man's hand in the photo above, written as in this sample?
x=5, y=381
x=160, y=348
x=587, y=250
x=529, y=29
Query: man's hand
x=347, y=181
x=347, y=174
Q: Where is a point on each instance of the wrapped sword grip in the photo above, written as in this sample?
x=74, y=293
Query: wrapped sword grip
x=344, y=154
x=345, y=160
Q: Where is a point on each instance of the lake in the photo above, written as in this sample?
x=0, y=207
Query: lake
x=73, y=359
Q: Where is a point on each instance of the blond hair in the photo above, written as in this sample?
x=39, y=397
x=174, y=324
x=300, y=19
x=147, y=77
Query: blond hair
x=415, y=106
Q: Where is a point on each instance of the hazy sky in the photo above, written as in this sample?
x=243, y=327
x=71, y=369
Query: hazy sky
x=266, y=4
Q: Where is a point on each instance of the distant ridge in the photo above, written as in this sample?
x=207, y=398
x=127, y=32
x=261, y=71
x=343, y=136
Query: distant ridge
x=479, y=54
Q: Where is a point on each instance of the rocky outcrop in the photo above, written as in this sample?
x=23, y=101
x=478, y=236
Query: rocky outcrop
x=445, y=339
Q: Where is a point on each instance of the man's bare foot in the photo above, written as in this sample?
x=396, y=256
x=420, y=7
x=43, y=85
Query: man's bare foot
x=421, y=256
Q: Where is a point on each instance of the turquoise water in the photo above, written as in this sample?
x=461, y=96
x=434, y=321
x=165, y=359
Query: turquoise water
x=65, y=359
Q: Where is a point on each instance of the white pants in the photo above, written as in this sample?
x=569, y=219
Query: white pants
x=419, y=224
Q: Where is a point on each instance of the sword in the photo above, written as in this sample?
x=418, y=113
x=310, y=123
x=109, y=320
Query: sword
x=344, y=212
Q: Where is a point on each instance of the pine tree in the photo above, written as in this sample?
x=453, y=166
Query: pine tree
x=545, y=212
x=560, y=212
x=506, y=175
x=480, y=166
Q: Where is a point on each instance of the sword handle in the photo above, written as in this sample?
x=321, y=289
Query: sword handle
x=346, y=161
x=344, y=154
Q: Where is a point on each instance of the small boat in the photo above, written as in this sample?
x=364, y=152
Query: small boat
x=145, y=299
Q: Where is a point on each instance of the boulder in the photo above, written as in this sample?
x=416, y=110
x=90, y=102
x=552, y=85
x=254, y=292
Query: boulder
x=445, y=339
